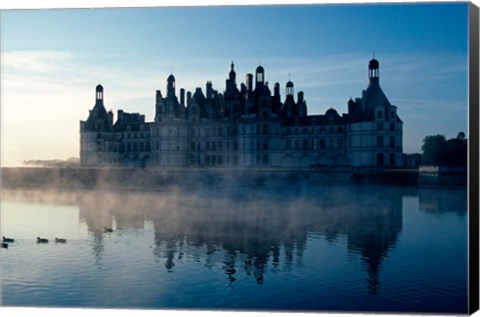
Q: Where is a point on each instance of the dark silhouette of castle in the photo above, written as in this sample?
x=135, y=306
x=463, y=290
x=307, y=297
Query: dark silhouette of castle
x=246, y=126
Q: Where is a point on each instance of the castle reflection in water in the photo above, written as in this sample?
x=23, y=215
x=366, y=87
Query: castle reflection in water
x=261, y=230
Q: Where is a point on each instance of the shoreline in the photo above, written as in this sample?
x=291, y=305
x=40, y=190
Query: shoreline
x=160, y=179
x=189, y=178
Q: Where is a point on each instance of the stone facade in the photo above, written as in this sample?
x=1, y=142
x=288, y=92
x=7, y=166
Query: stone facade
x=246, y=126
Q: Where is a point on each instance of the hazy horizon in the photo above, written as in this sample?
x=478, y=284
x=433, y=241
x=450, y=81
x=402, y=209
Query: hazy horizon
x=53, y=59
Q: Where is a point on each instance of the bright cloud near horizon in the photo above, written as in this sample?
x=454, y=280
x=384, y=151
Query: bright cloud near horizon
x=51, y=61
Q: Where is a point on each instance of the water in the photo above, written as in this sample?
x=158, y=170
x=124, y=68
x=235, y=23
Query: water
x=277, y=248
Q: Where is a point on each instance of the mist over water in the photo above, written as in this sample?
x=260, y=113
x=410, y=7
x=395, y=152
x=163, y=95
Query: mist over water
x=282, y=247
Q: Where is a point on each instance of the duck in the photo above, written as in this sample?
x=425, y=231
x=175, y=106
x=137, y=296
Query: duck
x=42, y=240
x=60, y=240
x=5, y=239
x=106, y=229
x=4, y=245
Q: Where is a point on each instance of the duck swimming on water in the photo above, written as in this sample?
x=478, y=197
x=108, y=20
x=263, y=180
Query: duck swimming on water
x=42, y=240
x=5, y=239
x=4, y=245
x=60, y=240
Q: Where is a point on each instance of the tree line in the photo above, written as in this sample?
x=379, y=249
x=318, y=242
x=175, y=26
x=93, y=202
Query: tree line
x=437, y=150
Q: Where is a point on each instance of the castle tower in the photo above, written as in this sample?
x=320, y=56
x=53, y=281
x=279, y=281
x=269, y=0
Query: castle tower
x=373, y=71
x=259, y=77
x=170, y=86
x=99, y=95
x=289, y=89
x=232, y=75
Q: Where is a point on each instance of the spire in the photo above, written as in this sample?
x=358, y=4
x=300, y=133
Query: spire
x=232, y=74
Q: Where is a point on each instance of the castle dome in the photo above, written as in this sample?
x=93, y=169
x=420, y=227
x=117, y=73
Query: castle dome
x=373, y=64
x=331, y=112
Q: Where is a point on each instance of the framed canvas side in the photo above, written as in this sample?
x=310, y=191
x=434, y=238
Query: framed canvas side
x=473, y=157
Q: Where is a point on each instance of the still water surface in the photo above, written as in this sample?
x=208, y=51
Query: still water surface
x=312, y=248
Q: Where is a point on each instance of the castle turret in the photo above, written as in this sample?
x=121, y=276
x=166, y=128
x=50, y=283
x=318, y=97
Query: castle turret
x=170, y=86
x=373, y=71
x=259, y=77
x=99, y=95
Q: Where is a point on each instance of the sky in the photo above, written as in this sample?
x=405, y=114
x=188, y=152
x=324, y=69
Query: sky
x=51, y=61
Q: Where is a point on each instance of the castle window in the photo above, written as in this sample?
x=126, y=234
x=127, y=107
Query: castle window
x=289, y=144
x=141, y=147
x=392, y=141
x=207, y=132
x=296, y=130
x=214, y=146
x=220, y=132
x=192, y=146
x=379, y=158
x=207, y=146
x=305, y=130
x=296, y=144
x=322, y=130
x=392, y=126
x=235, y=131
x=322, y=144
x=192, y=132
x=379, y=141
x=235, y=147
x=379, y=126
x=340, y=143
x=219, y=145
x=379, y=114
x=340, y=130
x=265, y=129
x=288, y=131
x=392, y=159
x=265, y=159
x=305, y=144
x=214, y=132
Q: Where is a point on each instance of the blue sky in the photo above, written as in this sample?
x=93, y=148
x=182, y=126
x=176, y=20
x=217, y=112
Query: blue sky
x=53, y=59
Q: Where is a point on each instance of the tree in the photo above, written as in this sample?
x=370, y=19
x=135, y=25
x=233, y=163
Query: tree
x=433, y=149
x=438, y=151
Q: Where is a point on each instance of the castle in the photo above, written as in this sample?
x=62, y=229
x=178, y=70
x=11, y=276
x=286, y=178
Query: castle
x=246, y=126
